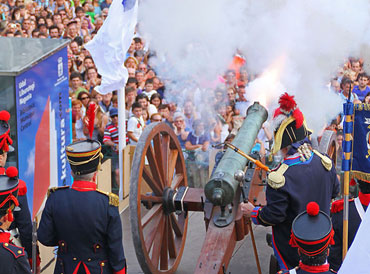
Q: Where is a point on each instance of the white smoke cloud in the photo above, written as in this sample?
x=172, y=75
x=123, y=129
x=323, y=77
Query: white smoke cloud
x=196, y=40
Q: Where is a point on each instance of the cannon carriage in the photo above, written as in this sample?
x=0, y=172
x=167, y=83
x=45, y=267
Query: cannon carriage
x=160, y=198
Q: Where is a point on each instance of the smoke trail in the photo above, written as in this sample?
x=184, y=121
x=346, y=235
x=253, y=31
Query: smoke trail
x=195, y=41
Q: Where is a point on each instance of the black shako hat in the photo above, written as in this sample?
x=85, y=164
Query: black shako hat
x=84, y=156
x=5, y=140
x=288, y=123
x=9, y=192
x=312, y=231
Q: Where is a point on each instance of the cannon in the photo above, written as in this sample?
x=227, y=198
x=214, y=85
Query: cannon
x=160, y=198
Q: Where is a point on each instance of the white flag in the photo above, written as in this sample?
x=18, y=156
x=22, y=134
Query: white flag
x=357, y=260
x=110, y=44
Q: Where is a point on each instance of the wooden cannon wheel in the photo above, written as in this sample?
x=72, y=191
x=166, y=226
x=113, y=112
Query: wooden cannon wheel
x=158, y=169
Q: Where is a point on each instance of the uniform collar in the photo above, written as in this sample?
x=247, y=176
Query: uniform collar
x=314, y=268
x=84, y=186
x=2, y=171
x=364, y=198
x=295, y=159
x=4, y=237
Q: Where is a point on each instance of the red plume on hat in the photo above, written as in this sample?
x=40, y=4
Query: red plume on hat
x=288, y=107
x=91, y=116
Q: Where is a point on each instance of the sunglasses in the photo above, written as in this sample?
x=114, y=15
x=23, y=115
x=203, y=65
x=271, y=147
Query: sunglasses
x=83, y=98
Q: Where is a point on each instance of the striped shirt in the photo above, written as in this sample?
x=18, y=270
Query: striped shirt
x=111, y=133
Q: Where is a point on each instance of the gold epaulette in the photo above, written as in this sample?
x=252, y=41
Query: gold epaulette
x=113, y=198
x=53, y=189
x=276, y=178
x=325, y=160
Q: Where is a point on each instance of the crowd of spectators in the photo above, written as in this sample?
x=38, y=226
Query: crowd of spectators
x=146, y=93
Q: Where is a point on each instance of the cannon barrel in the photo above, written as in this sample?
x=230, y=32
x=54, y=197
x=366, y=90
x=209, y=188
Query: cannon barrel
x=222, y=186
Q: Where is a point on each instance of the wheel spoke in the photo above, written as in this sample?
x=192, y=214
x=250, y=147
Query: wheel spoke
x=172, y=164
x=154, y=211
x=177, y=181
x=157, y=244
x=153, y=184
x=164, y=247
x=171, y=240
x=150, y=231
x=165, y=147
x=180, y=168
x=155, y=163
x=177, y=228
x=151, y=198
x=159, y=155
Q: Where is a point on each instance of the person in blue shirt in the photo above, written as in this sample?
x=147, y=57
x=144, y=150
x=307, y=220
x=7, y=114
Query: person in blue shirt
x=197, y=138
x=362, y=88
x=179, y=128
x=345, y=87
x=197, y=144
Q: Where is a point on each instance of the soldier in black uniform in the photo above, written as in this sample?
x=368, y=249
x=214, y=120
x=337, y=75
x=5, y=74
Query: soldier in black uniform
x=83, y=221
x=304, y=175
x=312, y=233
x=21, y=228
x=356, y=211
x=13, y=259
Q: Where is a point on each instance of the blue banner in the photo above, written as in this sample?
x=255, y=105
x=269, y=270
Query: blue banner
x=43, y=126
x=361, y=142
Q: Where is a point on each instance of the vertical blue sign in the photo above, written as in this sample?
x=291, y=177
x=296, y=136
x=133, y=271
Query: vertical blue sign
x=43, y=126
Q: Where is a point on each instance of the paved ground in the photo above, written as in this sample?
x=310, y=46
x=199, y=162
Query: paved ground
x=243, y=260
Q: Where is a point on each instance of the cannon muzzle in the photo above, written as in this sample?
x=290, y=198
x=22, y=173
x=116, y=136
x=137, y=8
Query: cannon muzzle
x=222, y=186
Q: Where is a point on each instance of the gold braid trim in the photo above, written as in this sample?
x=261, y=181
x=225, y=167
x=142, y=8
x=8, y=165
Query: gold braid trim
x=276, y=178
x=325, y=160
x=96, y=155
x=360, y=175
x=113, y=198
x=53, y=189
x=278, y=136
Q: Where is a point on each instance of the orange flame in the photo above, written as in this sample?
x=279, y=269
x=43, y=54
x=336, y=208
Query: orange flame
x=267, y=87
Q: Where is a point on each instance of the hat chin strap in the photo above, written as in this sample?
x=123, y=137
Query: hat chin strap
x=5, y=141
x=10, y=215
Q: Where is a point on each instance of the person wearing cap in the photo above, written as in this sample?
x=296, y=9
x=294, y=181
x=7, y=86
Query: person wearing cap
x=13, y=259
x=83, y=221
x=111, y=139
x=356, y=211
x=312, y=233
x=304, y=175
x=21, y=227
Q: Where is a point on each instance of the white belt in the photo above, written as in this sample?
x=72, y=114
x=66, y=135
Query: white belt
x=359, y=207
x=15, y=238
